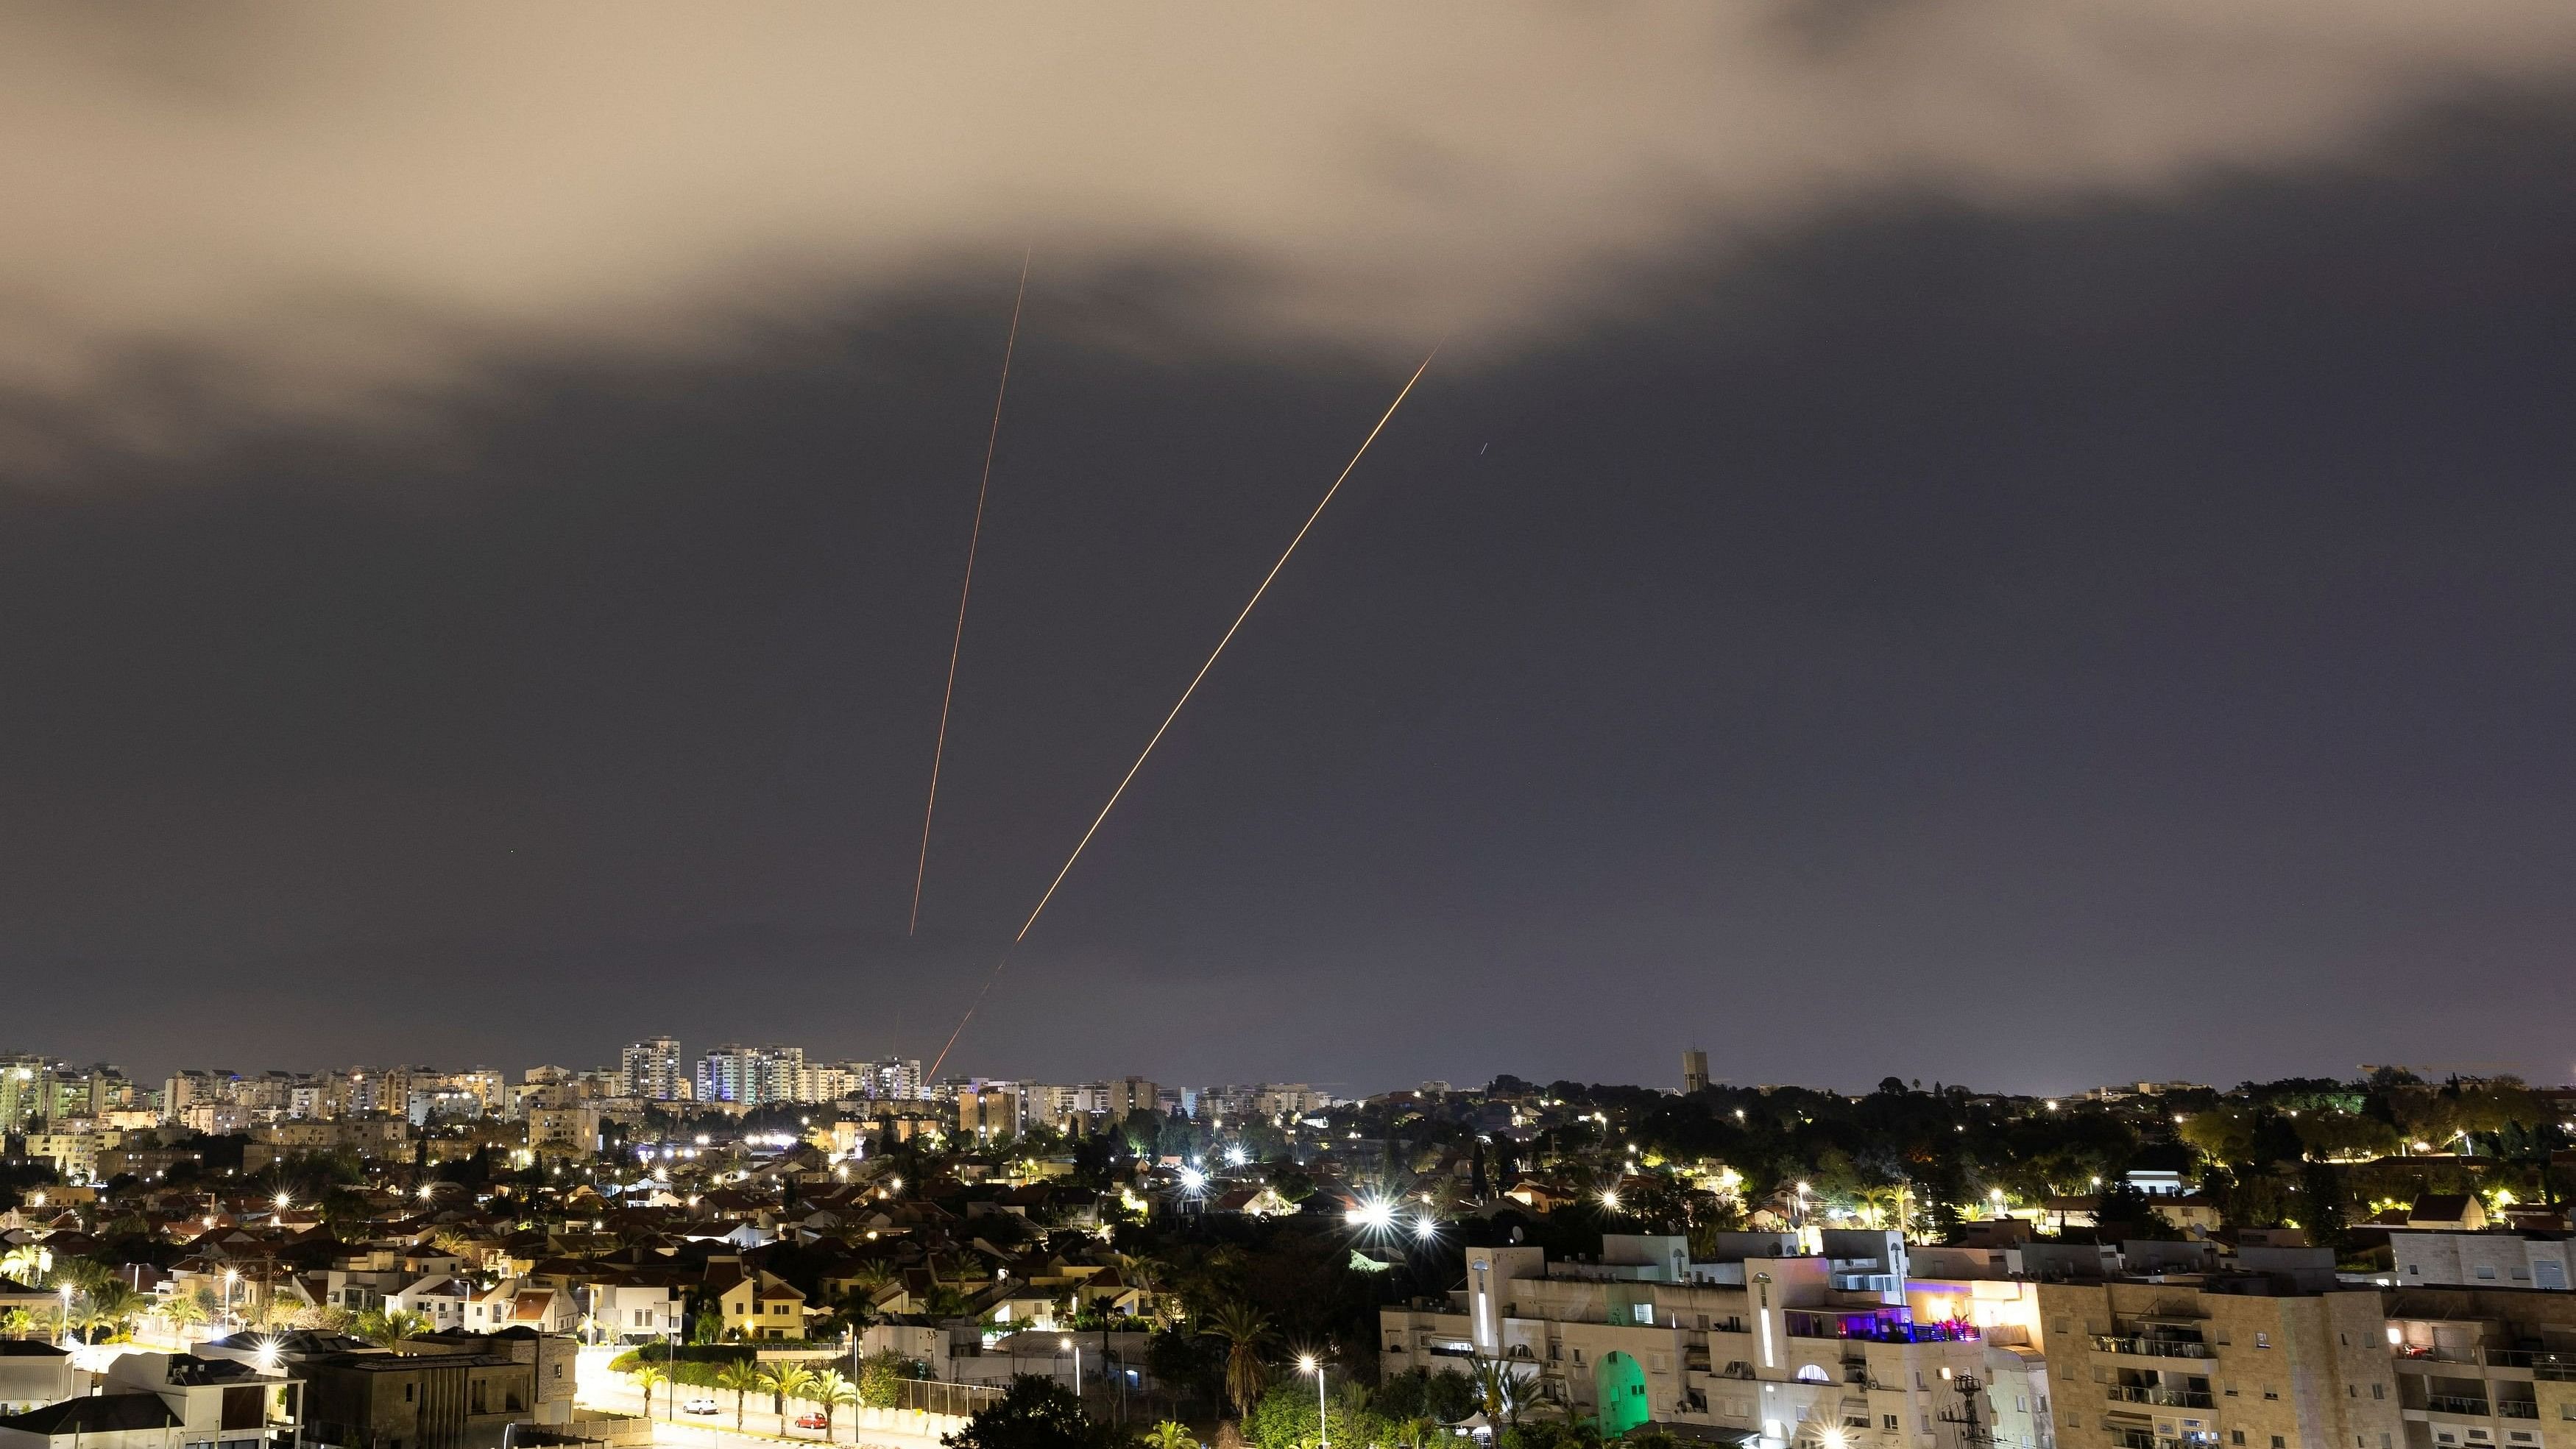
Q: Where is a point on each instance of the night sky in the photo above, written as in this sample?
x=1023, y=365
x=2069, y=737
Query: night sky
x=2036, y=589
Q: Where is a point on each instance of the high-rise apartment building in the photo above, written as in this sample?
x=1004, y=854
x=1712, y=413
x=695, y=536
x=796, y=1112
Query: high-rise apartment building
x=650, y=1069
x=750, y=1075
x=1694, y=1071
x=1129, y=1094
x=991, y=1110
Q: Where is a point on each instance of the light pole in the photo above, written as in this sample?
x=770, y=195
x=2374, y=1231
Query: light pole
x=1307, y=1363
x=67, y=1313
x=1075, y=1349
x=229, y=1276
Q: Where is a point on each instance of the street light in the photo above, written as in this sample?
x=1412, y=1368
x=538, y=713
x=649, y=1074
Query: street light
x=67, y=1312
x=1066, y=1343
x=1307, y=1363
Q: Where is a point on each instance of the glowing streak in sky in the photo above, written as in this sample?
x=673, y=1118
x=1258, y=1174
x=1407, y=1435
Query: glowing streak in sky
x=956, y=644
x=1195, y=680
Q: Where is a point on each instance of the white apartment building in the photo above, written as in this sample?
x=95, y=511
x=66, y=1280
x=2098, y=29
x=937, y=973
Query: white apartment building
x=650, y=1069
x=1811, y=1340
x=2497, y=1258
x=749, y=1075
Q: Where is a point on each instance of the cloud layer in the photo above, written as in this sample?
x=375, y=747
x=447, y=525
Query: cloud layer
x=233, y=216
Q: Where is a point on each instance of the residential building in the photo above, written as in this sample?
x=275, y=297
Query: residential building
x=754, y=1303
x=73, y=1154
x=1694, y=1070
x=164, y=1401
x=994, y=1110
x=650, y=1069
x=570, y=1130
x=2278, y=1357
x=442, y=1298
x=416, y=1400
x=749, y=1075
x=1767, y=1339
x=2496, y=1258
x=1129, y=1094
x=33, y=1373
x=2488, y=1367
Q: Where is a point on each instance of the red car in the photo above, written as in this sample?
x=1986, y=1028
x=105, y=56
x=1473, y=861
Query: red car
x=813, y=1421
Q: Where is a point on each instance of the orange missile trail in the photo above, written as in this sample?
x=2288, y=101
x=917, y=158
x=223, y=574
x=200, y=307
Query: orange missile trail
x=1195, y=680
x=957, y=643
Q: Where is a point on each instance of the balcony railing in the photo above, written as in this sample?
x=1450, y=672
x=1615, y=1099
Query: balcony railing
x=2150, y=1347
x=2455, y=1404
x=2167, y=1398
x=2517, y=1409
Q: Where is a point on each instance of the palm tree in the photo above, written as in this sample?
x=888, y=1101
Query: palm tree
x=17, y=1322
x=646, y=1377
x=742, y=1376
x=112, y=1306
x=785, y=1380
x=831, y=1390
x=1501, y=1393
x=389, y=1329
x=27, y=1263
x=1414, y=1433
x=1170, y=1434
x=1244, y=1331
x=182, y=1311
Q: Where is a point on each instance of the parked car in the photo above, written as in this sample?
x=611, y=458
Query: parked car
x=698, y=1406
x=812, y=1421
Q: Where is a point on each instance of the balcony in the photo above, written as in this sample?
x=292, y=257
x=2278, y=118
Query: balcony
x=2169, y=1398
x=2455, y=1404
x=2151, y=1347
x=2516, y=1409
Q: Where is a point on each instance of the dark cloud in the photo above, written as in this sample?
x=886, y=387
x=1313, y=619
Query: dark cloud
x=1947, y=639
x=274, y=214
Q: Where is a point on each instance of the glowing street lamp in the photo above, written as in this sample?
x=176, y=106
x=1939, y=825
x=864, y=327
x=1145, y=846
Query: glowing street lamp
x=1307, y=1363
x=67, y=1313
x=1068, y=1345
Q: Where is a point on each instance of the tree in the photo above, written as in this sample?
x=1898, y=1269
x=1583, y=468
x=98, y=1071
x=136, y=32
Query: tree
x=1500, y=1393
x=742, y=1377
x=183, y=1311
x=1170, y=1434
x=27, y=1263
x=881, y=1376
x=1034, y=1413
x=647, y=1377
x=785, y=1380
x=390, y=1328
x=831, y=1390
x=109, y=1308
x=1244, y=1332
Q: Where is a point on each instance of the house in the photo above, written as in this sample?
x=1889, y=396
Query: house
x=754, y=1303
x=33, y=1374
x=516, y=1303
x=440, y=1298
x=416, y=1401
x=635, y=1307
x=104, y=1421
x=2456, y=1212
x=162, y=1401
